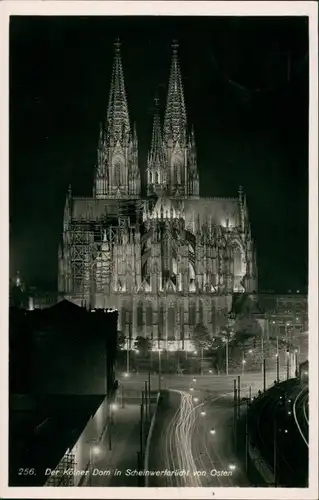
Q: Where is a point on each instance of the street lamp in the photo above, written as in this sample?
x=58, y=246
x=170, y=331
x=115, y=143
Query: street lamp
x=203, y=413
x=159, y=350
x=212, y=431
x=195, y=400
x=225, y=339
x=288, y=363
x=243, y=363
x=277, y=360
x=127, y=360
x=232, y=466
x=94, y=451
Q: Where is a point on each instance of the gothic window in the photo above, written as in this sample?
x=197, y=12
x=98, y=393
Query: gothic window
x=129, y=318
x=149, y=315
x=237, y=261
x=201, y=312
x=192, y=283
x=161, y=322
x=171, y=322
x=178, y=172
x=151, y=177
x=191, y=314
x=156, y=177
x=175, y=173
x=182, y=321
x=139, y=316
x=117, y=173
x=123, y=320
x=213, y=312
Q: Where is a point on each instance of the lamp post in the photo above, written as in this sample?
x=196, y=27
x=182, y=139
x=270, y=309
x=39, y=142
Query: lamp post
x=238, y=396
x=127, y=358
x=111, y=407
x=277, y=361
x=246, y=439
x=93, y=451
x=243, y=364
x=225, y=339
x=287, y=351
x=235, y=413
x=159, y=350
x=262, y=353
x=288, y=363
x=201, y=359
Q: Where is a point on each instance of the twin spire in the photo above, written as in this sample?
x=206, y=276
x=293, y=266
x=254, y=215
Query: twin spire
x=117, y=121
x=175, y=120
x=117, y=173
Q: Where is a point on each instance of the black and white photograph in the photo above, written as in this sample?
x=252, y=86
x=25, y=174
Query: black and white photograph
x=160, y=310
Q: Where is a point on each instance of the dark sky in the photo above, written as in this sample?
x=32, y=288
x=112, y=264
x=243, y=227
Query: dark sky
x=246, y=89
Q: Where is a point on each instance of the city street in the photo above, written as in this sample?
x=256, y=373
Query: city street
x=193, y=433
x=208, y=383
x=123, y=455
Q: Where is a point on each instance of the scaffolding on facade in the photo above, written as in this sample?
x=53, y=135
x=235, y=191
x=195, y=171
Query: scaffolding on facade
x=64, y=473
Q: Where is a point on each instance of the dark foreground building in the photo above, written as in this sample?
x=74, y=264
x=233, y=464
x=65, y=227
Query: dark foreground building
x=62, y=366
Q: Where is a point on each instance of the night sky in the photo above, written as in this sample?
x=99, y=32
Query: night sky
x=246, y=90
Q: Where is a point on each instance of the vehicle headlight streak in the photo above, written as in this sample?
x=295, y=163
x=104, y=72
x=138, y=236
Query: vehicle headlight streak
x=183, y=437
x=301, y=400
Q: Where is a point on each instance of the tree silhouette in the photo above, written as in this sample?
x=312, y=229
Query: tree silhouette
x=202, y=338
x=143, y=345
x=121, y=340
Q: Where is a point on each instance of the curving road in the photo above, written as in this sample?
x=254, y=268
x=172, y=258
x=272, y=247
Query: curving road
x=300, y=411
x=187, y=445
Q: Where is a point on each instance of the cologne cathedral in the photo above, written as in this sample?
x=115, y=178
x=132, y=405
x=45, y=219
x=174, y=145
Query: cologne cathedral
x=167, y=258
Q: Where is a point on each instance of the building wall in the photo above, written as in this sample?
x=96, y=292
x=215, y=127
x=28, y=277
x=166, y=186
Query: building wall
x=168, y=319
x=62, y=352
x=83, y=450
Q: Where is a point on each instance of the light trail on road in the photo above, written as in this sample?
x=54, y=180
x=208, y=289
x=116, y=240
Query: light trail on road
x=299, y=402
x=187, y=447
x=305, y=409
x=178, y=449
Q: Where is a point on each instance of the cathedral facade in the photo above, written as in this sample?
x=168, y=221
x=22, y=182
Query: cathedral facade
x=167, y=259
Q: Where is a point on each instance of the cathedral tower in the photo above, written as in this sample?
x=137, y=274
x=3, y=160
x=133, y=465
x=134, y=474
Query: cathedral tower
x=117, y=172
x=182, y=175
x=156, y=160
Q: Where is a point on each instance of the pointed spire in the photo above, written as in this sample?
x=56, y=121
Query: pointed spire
x=156, y=161
x=156, y=152
x=192, y=137
x=118, y=122
x=175, y=120
x=105, y=245
x=67, y=206
x=134, y=134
